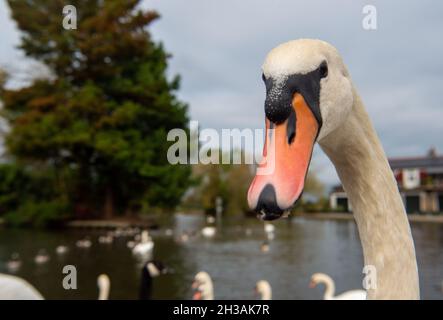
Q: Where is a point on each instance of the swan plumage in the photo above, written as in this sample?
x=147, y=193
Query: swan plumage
x=145, y=247
x=104, y=286
x=310, y=98
x=264, y=290
x=329, y=294
x=203, y=286
x=15, y=288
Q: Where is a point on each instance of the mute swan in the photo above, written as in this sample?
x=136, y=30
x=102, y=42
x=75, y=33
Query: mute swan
x=263, y=288
x=104, y=286
x=310, y=97
x=209, y=232
x=41, y=257
x=150, y=270
x=130, y=244
x=269, y=230
x=84, y=243
x=14, y=263
x=61, y=249
x=106, y=239
x=203, y=286
x=330, y=289
x=145, y=247
x=15, y=288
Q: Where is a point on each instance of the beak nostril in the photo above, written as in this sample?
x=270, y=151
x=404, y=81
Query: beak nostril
x=290, y=126
x=291, y=138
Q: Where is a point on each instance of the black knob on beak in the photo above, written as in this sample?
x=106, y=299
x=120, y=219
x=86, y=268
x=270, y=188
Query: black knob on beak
x=278, y=109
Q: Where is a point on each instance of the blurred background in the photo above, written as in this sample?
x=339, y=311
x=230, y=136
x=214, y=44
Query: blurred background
x=84, y=114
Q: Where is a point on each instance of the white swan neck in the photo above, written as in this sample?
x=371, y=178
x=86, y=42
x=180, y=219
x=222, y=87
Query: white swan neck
x=103, y=293
x=330, y=288
x=104, y=285
x=384, y=230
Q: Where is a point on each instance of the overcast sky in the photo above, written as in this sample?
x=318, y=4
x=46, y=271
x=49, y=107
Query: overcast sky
x=218, y=48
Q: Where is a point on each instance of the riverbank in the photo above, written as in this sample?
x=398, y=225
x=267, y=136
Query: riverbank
x=112, y=224
x=349, y=216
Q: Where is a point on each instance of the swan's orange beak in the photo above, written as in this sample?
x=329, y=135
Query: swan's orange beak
x=197, y=296
x=280, y=178
x=312, y=284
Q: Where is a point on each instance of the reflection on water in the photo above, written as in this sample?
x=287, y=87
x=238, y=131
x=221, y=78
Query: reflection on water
x=233, y=258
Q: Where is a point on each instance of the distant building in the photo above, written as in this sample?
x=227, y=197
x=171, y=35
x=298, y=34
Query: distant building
x=419, y=179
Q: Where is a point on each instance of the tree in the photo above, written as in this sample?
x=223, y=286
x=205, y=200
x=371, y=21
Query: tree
x=100, y=121
x=230, y=182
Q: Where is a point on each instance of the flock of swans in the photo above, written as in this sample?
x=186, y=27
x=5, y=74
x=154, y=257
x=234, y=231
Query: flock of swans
x=204, y=288
x=142, y=246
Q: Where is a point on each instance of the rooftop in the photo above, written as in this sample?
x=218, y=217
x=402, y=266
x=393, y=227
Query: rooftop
x=431, y=160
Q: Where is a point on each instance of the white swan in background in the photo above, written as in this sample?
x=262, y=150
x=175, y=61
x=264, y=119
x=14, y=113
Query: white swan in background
x=104, y=286
x=84, y=243
x=209, y=231
x=14, y=264
x=61, y=249
x=131, y=244
x=203, y=286
x=269, y=227
x=41, y=257
x=210, y=219
x=310, y=97
x=183, y=238
x=15, y=288
x=263, y=288
x=269, y=230
x=106, y=239
x=145, y=247
x=318, y=278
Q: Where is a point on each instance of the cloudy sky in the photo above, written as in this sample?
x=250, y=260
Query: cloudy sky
x=219, y=46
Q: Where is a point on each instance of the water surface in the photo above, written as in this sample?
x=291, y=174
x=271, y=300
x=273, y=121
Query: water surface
x=233, y=258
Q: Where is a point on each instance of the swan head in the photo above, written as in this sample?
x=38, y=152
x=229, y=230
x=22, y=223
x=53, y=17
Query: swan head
x=308, y=95
x=203, y=286
x=263, y=288
x=104, y=285
x=318, y=278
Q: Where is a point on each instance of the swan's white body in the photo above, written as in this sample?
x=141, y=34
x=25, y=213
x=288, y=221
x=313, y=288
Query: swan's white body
x=329, y=294
x=269, y=231
x=104, y=286
x=83, y=243
x=106, y=239
x=14, y=264
x=348, y=138
x=269, y=228
x=61, y=249
x=42, y=257
x=263, y=288
x=15, y=288
x=203, y=284
x=209, y=232
x=145, y=247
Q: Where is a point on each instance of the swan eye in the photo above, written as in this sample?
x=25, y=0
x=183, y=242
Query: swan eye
x=323, y=69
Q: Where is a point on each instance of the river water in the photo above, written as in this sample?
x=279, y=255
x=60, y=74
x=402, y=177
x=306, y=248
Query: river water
x=233, y=258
